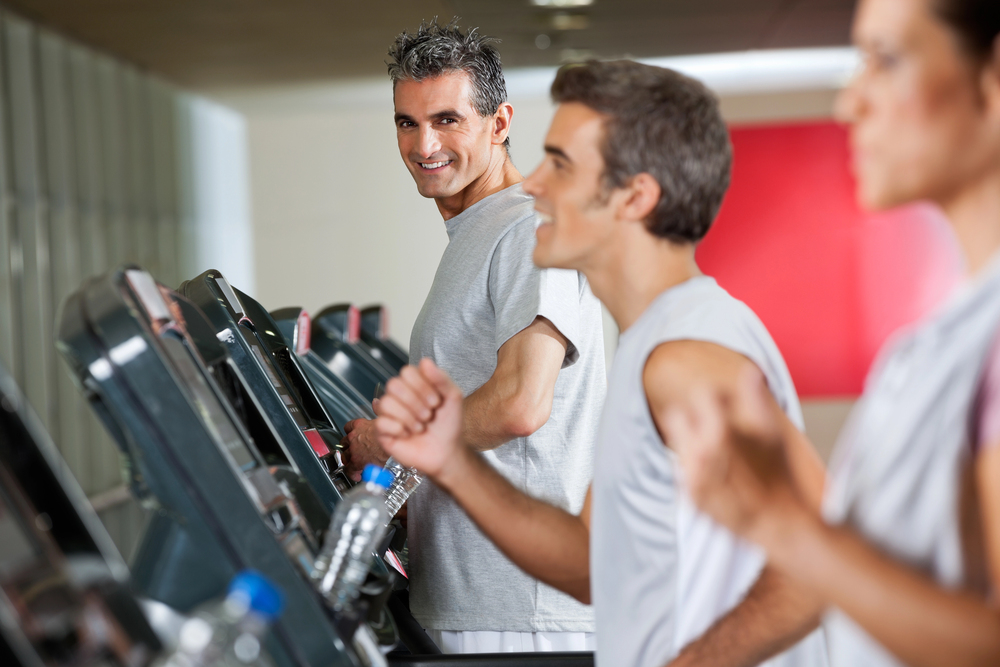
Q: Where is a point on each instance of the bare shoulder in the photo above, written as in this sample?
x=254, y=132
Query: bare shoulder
x=675, y=368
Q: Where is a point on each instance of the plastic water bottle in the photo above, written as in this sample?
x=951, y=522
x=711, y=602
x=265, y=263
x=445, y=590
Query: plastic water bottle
x=405, y=482
x=357, y=526
x=230, y=633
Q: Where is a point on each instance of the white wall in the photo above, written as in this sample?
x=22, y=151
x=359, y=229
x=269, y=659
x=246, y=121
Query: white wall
x=216, y=221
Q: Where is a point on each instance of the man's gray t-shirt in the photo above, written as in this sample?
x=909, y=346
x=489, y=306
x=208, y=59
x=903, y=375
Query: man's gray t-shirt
x=485, y=291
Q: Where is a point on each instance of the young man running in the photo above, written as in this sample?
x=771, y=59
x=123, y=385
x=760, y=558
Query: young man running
x=637, y=163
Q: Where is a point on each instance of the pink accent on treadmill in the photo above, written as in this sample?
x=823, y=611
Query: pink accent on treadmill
x=353, y=332
x=392, y=559
x=316, y=441
x=303, y=335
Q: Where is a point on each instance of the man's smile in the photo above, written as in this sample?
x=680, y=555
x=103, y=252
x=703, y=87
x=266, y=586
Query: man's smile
x=431, y=166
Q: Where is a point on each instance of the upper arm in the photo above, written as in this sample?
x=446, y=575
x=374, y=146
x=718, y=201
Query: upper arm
x=520, y=293
x=530, y=360
x=585, y=512
x=675, y=368
x=988, y=484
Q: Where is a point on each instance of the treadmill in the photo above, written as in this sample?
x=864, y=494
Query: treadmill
x=336, y=339
x=285, y=417
x=375, y=334
x=267, y=385
x=342, y=400
x=221, y=507
x=64, y=597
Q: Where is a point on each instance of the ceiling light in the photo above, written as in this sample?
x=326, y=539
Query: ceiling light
x=543, y=41
x=562, y=4
x=566, y=21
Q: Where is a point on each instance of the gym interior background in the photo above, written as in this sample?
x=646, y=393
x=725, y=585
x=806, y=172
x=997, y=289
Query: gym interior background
x=256, y=137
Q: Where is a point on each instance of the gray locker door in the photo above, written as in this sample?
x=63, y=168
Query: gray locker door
x=10, y=260
x=31, y=215
x=166, y=185
x=64, y=225
x=111, y=123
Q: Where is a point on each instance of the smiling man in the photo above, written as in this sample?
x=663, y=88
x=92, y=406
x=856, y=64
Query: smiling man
x=525, y=346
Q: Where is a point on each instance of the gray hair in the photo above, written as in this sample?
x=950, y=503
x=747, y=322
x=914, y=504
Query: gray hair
x=435, y=50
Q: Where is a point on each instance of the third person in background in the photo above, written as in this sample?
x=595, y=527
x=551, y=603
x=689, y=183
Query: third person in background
x=904, y=559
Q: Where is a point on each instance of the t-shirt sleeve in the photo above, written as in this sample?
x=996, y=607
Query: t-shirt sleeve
x=520, y=291
x=987, y=414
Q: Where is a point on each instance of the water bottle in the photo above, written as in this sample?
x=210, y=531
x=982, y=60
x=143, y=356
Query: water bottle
x=230, y=633
x=357, y=526
x=405, y=482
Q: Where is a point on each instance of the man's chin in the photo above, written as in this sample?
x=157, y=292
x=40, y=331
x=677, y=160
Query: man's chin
x=543, y=259
x=436, y=190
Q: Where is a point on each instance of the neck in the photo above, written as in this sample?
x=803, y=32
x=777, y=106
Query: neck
x=500, y=174
x=636, y=267
x=975, y=216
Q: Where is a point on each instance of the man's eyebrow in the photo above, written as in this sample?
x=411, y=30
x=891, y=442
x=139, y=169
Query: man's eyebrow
x=447, y=113
x=401, y=116
x=557, y=152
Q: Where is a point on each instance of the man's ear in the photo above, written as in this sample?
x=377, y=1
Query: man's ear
x=641, y=195
x=501, y=122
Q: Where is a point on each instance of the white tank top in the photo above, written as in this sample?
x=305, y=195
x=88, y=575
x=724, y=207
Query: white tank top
x=895, y=476
x=662, y=572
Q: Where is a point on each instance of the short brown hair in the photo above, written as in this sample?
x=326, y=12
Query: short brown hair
x=661, y=123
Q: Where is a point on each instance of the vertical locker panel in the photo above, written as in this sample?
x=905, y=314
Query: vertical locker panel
x=94, y=255
x=31, y=216
x=64, y=225
x=88, y=162
x=165, y=182
x=139, y=169
x=187, y=233
x=9, y=262
x=112, y=120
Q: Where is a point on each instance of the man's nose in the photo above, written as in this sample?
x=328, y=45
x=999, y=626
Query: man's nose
x=532, y=185
x=429, y=142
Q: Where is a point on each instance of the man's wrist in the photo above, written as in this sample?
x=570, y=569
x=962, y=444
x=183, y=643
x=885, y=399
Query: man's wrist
x=789, y=536
x=457, y=470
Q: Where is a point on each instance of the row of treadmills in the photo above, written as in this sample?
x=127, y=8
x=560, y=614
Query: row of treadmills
x=229, y=421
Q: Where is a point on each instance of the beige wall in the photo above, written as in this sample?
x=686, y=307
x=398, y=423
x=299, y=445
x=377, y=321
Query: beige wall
x=336, y=215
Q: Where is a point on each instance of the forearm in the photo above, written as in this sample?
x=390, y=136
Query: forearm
x=495, y=414
x=775, y=614
x=916, y=619
x=548, y=543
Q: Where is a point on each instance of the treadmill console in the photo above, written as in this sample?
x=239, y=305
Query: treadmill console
x=63, y=595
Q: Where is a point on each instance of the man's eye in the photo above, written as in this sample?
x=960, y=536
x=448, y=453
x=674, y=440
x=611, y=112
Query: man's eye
x=405, y=123
x=447, y=121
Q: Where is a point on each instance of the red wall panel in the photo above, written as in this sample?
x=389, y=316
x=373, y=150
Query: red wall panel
x=830, y=281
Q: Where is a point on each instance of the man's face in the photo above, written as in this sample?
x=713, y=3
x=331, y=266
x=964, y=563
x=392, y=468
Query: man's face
x=444, y=142
x=576, y=214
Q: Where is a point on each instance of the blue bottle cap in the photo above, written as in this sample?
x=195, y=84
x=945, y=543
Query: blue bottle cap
x=263, y=597
x=373, y=474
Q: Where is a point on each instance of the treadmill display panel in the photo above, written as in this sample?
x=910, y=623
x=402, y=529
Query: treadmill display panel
x=208, y=404
x=286, y=397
